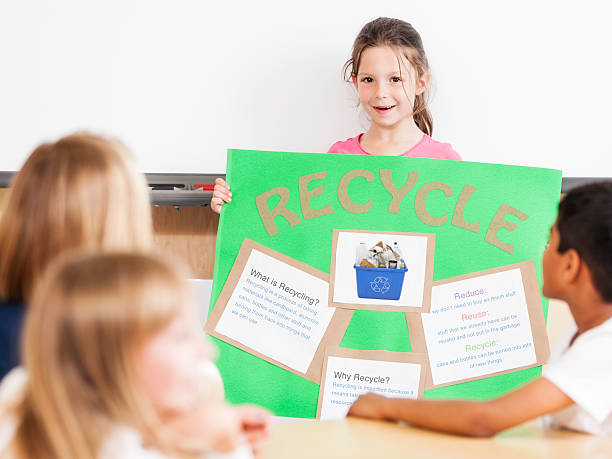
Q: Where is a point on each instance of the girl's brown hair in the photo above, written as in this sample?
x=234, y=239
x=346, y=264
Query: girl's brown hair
x=89, y=316
x=400, y=35
x=79, y=192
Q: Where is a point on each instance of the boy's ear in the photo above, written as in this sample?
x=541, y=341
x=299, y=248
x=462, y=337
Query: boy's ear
x=422, y=83
x=572, y=264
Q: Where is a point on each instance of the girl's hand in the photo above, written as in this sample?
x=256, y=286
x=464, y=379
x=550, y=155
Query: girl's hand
x=221, y=195
x=209, y=427
x=368, y=406
x=255, y=424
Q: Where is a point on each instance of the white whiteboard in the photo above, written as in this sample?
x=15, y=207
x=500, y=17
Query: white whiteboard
x=180, y=81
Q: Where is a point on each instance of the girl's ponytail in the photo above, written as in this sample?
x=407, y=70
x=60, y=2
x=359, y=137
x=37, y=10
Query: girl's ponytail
x=422, y=115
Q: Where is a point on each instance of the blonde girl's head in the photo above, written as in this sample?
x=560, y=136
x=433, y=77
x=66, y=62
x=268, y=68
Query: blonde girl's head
x=80, y=192
x=406, y=42
x=89, y=320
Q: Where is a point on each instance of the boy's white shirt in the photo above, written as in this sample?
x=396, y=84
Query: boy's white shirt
x=123, y=442
x=583, y=371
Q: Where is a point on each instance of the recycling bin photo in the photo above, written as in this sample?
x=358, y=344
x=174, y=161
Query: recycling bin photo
x=381, y=270
x=379, y=283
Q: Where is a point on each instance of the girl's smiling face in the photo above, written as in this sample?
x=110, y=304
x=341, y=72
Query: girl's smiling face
x=387, y=85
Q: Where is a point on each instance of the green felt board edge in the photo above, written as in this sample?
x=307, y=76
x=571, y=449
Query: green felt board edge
x=534, y=191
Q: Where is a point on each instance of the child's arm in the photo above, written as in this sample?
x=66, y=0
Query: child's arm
x=478, y=419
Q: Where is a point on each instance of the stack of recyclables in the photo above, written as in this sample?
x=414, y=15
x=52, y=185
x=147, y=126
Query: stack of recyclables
x=382, y=283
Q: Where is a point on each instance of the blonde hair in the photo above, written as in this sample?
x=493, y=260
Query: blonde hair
x=89, y=316
x=79, y=192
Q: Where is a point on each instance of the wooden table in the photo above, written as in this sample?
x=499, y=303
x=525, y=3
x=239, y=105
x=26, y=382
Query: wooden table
x=358, y=438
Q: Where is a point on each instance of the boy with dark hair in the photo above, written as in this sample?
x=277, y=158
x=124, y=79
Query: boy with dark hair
x=575, y=387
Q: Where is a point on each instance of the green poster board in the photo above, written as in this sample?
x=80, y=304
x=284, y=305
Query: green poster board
x=534, y=192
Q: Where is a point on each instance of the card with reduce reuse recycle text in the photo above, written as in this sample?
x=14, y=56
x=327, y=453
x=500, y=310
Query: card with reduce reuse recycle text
x=482, y=324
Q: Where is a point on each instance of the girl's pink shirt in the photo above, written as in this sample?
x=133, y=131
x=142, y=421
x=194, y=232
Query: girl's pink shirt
x=426, y=148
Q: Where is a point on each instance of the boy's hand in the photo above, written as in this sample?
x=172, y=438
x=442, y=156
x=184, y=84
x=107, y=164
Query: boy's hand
x=255, y=424
x=369, y=406
x=221, y=195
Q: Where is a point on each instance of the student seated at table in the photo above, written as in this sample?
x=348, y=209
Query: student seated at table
x=113, y=354
x=575, y=389
x=82, y=191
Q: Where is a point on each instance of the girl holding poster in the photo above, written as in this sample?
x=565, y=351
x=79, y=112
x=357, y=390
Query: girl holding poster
x=389, y=69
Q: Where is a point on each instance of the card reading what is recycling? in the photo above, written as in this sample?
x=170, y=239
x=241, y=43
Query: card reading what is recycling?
x=275, y=308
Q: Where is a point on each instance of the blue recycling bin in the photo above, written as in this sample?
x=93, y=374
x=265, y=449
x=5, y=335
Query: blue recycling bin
x=379, y=283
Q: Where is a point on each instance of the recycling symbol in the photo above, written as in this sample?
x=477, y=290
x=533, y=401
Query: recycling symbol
x=380, y=284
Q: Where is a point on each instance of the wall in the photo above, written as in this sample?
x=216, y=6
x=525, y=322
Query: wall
x=180, y=82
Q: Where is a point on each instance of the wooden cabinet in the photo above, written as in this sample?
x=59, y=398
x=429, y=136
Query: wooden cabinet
x=189, y=234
